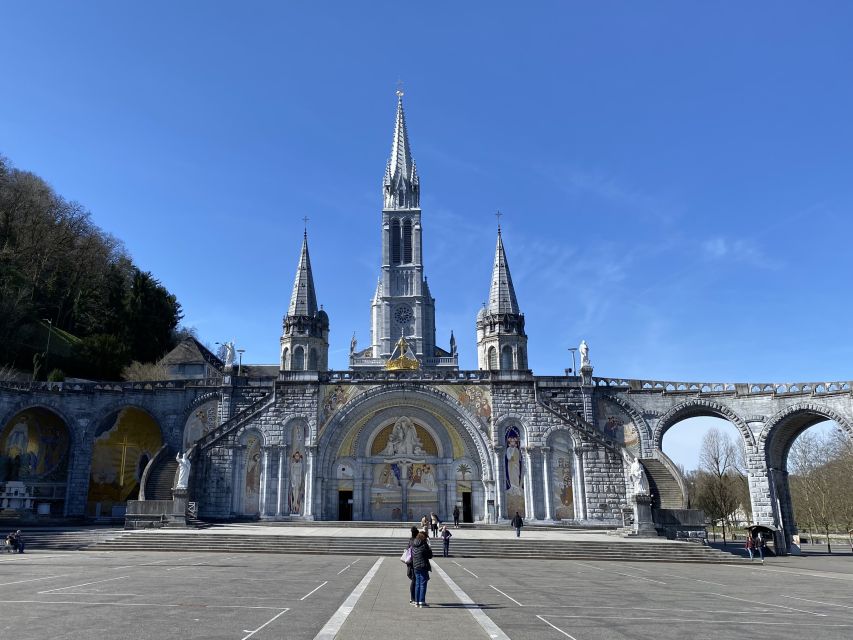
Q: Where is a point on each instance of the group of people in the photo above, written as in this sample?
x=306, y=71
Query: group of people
x=756, y=545
x=15, y=542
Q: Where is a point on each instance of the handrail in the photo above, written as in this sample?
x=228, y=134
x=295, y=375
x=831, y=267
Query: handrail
x=666, y=461
x=233, y=422
x=148, y=468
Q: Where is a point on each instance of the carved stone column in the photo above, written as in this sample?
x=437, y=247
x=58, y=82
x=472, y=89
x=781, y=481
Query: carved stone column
x=499, y=485
x=265, y=466
x=282, y=457
x=529, y=507
x=546, y=481
x=308, y=506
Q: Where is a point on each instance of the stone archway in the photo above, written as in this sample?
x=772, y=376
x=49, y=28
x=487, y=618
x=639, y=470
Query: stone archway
x=775, y=441
x=404, y=447
x=700, y=407
x=34, y=460
x=122, y=438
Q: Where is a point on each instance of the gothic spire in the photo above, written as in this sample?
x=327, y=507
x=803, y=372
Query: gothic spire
x=401, y=185
x=303, y=300
x=502, y=294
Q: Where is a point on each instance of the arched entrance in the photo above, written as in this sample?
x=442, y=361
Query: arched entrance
x=777, y=438
x=34, y=447
x=400, y=455
x=122, y=441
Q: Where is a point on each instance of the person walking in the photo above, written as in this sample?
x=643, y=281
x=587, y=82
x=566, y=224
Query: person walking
x=410, y=571
x=517, y=523
x=760, y=545
x=434, y=523
x=421, y=554
x=750, y=546
x=456, y=516
x=446, y=535
x=425, y=526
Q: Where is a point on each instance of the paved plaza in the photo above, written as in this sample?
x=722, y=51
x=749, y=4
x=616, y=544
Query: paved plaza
x=92, y=595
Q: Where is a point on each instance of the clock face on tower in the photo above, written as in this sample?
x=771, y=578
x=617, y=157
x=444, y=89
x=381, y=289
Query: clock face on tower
x=403, y=314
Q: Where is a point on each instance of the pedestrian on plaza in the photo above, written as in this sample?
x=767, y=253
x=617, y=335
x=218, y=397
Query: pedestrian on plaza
x=446, y=535
x=19, y=541
x=434, y=522
x=750, y=546
x=425, y=526
x=760, y=544
x=410, y=571
x=456, y=516
x=517, y=523
x=421, y=554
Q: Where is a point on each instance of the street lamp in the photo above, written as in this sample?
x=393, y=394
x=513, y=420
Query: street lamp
x=240, y=362
x=574, y=364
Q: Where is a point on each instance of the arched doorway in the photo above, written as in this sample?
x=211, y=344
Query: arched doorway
x=34, y=448
x=827, y=452
x=122, y=440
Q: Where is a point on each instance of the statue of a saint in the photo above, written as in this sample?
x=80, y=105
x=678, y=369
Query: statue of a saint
x=403, y=439
x=638, y=478
x=229, y=354
x=352, y=345
x=584, y=350
x=183, y=471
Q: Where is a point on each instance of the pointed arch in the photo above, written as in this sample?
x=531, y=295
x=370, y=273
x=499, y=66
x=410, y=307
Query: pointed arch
x=506, y=358
x=407, y=241
x=492, y=359
x=395, y=241
x=298, y=358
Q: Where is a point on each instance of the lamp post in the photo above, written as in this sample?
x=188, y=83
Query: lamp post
x=47, y=349
x=240, y=361
x=574, y=364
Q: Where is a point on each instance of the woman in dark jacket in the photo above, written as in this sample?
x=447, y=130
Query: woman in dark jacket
x=410, y=572
x=421, y=553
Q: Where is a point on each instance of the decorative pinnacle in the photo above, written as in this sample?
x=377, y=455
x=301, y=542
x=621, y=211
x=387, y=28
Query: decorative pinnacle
x=400, y=92
x=498, y=215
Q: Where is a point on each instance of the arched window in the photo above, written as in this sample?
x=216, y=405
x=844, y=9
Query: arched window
x=506, y=358
x=284, y=359
x=298, y=359
x=522, y=359
x=395, y=241
x=312, y=360
x=407, y=242
x=493, y=358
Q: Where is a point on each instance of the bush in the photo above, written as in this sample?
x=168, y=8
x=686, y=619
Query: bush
x=57, y=375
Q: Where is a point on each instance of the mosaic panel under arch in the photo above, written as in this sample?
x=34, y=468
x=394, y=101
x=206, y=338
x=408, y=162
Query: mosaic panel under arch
x=561, y=468
x=123, y=447
x=34, y=446
x=400, y=430
x=616, y=424
x=513, y=472
x=252, y=485
x=200, y=422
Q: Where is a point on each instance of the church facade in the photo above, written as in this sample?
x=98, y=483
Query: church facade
x=403, y=431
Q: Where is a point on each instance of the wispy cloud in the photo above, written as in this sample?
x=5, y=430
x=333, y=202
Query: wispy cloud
x=737, y=250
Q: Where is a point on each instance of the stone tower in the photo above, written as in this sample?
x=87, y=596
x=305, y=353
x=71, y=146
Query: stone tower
x=305, y=329
x=402, y=304
x=501, y=341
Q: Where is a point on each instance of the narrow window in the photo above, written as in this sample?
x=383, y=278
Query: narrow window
x=284, y=359
x=506, y=358
x=407, y=242
x=395, y=242
x=493, y=358
x=298, y=359
x=312, y=360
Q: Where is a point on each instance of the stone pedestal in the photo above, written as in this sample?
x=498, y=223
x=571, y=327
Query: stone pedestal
x=178, y=517
x=644, y=526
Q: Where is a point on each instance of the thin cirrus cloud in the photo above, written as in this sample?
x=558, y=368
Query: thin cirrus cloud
x=738, y=250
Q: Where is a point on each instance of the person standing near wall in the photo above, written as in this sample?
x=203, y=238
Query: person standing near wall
x=456, y=517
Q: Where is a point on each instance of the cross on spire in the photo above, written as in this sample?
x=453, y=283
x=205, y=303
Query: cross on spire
x=400, y=92
x=498, y=215
x=305, y=223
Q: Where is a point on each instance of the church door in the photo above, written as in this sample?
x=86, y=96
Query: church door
x=345, y=505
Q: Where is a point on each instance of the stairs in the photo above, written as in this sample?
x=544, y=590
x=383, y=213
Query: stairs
x=161, y=479
x=208, y=542
x=663, y=485
x=67, y=539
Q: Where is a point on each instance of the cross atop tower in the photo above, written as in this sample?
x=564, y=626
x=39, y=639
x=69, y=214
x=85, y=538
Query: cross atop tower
x=400, y=92
x=498, y=215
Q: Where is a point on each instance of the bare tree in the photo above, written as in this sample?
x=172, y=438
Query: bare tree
x=720, y=490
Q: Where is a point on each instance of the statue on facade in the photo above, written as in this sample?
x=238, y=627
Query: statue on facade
x=584, y=351
x=403, y=439
x=352, y=345
x=183, y=471
x=638, y=478
x=229, y=354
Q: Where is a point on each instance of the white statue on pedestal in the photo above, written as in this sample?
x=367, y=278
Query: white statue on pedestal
x=183, y=471
x=584, y=351
x=638, y=478
x=229, y=354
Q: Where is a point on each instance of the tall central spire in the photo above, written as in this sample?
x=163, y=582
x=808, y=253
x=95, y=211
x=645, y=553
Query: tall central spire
x=401, y=185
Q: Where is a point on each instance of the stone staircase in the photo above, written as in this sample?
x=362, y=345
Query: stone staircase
x=161, y=479
x=208, y=542
x=663, y=485
x=67, y=539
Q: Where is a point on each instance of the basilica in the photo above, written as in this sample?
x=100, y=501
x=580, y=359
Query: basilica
x=401, y=433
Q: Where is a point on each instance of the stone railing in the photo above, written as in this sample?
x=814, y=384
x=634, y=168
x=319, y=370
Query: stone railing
x=736, y=388
x=379, y=363
x=91, y=387
x=233, y=422
x=578, y=421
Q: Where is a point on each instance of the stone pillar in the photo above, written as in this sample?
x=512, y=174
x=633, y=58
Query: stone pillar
x=644, y=527
x=308, y=506
x=79, y=470
x=529, y=506
x=546, y=481
x=499, y=485
x=238, y=480
x=580, y=461
x=265, y=465
x=282, y=457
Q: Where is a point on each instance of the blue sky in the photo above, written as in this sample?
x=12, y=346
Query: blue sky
x=675, y=178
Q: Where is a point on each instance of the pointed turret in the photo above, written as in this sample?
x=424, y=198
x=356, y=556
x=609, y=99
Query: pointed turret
x=501, y=341
x=303, y=299
x=305, y=328
x=502, y=294
x=401, y=185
